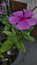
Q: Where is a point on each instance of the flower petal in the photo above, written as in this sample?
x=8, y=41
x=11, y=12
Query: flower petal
x=18, y=13
x=1, y=12
x=13, y=19
x=22, y=25
x=28, y=13
x=31, y=21
x=3, y=3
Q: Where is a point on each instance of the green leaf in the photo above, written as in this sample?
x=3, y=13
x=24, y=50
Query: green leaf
x=1, y=55
x=21, y=46
x=6, y=46
x=8, y=33
x=13, y=31
x=31, y=28
x=6, y=28
x=6, y=23
x=26, y=35
x=31, y=38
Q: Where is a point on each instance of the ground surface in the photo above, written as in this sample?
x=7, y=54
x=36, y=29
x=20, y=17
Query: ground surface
x=30, y=58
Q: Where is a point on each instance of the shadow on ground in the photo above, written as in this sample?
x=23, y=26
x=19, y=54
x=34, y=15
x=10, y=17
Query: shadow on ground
x=30, y=58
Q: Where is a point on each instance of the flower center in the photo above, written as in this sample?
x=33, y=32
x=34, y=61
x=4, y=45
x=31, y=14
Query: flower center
x=22, y=18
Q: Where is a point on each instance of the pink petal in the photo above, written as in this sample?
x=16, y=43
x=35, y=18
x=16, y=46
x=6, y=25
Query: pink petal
x=1, y=12
x=18, y=13
x=22, y=25
x=31, y=21
x=36, y=21
x=28, y=13
x=13, y=19
x=3, y=3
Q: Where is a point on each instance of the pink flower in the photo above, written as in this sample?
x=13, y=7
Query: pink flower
x=22, y=20
x=3, y=3
x=1, y=12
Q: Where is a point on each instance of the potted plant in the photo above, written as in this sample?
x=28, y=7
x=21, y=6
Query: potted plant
x=14, y=28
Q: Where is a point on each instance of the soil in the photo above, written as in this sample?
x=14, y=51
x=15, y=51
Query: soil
x=1, y=26
x=9, y=57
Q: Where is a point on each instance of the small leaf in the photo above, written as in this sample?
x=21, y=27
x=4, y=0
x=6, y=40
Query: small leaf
x=31, y=38
x=27, y=36
x=8, y=33
x=6, y=23
x=21, y=46
x=31, y=28
x=13, y=31
x=6, y=28
x=1, y=55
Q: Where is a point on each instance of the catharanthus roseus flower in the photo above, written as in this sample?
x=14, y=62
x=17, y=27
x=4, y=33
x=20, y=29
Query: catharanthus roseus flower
x=1, y=12
x=3, y=3
x=22, y=20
